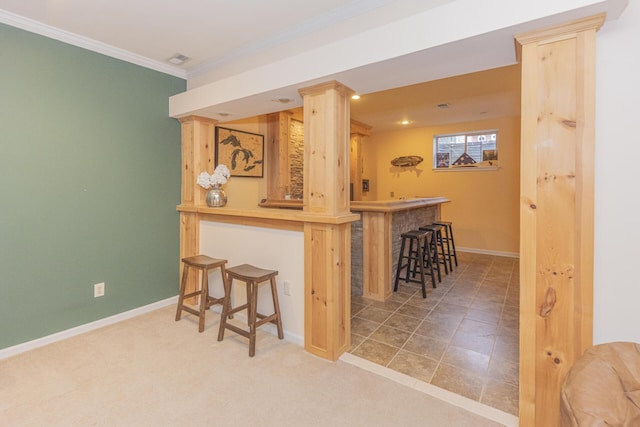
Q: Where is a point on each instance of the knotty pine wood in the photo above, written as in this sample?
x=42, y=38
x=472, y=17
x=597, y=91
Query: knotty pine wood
x=377, y=255
x=189, y=246
x=197, y=156
x=278, y=168
x=327, y=289
x=326, y=148
x=556, y=225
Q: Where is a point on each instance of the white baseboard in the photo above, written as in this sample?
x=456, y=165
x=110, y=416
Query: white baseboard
x=59, y=336
x=488, y=252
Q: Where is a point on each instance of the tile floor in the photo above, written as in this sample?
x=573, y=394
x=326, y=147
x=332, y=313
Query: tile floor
x=463, y=337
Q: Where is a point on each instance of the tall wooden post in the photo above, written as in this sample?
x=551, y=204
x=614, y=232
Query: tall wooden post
x=278, y=171
x=327, y=239
x=359, y=131
x=197, y=156
x=556, y=215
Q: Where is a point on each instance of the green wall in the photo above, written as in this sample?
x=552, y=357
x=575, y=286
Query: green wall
x=89, y=183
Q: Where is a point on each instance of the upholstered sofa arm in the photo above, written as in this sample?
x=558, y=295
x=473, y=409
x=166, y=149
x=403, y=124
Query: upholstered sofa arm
x=603, y=387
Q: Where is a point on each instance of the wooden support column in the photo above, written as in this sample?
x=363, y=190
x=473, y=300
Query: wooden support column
x=327, y=267
x=556, y=216
x=197, y=156
x=359, y=131
x=278, y=170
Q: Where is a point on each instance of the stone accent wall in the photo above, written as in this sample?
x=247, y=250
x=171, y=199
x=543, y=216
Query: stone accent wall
x=356, y=257
x=296, y=159
x=400, y=222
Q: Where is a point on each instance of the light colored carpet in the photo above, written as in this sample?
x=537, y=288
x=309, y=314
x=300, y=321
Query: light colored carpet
x=153, y=371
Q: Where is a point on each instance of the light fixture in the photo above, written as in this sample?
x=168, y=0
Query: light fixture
x=282, y=99
x=178, y=59
x=405, y=122
x=355, y=96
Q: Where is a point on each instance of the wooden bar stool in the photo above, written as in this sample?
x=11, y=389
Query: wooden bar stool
x=415, y=260
x=252, y=276
x=203, y=264
x=451, y=244
x=437, y=244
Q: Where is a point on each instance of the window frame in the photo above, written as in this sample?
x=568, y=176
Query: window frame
x=450, y=167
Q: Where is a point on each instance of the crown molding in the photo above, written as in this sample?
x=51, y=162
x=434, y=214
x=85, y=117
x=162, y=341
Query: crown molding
x=87, y=43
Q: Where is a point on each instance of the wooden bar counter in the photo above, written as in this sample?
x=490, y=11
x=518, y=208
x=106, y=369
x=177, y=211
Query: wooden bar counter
x=375, y=240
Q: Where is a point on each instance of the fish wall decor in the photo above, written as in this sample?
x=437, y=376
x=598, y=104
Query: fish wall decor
x=406, y=161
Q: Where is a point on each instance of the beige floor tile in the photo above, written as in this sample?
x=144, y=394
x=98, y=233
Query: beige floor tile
x=469, y=360
x=374, y=314
x=414, y=365
x=475, y=341
x=425, y=346
x=391, y=336
x=376, y=352
x=501, y=395
x=363, y=327
x=402, y=322
x=457, y=381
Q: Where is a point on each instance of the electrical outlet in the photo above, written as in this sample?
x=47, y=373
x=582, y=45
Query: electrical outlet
x=287, y=287
x=98, y=290
x=392, y=193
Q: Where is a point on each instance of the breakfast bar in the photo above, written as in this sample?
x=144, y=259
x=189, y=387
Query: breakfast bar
x=375, y=240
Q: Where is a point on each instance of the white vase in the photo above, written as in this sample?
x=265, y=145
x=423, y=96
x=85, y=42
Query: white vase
x=216, y=197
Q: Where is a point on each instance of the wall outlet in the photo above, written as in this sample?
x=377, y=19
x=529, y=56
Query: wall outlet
x=98, y=290
x=287, y=287
x=392, y=193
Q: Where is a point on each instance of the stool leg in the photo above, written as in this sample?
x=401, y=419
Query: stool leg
x=183, y=286
x=399, y=268
x=453, y=246
x=426, y=252
x=226, y=307
x=204, y=298
x=276, y=307
x=420, y=261
x=253, y=297
x=444, y=259
x=447, y=239
x=436, y=258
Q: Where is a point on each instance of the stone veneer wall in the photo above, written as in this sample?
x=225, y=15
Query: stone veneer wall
x=356, y=257
x=400, y=222
x=296, y=159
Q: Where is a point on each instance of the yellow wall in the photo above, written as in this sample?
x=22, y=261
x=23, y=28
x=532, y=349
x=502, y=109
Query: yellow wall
x=246, y=192
x=484, y=204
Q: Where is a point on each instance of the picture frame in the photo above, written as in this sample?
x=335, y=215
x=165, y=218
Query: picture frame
x=242, y=152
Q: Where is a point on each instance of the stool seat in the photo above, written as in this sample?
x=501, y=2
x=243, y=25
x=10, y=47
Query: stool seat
x=252, y=276
x=203, y=263
x=249, y=272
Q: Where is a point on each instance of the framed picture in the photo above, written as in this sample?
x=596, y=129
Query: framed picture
x=242, y=152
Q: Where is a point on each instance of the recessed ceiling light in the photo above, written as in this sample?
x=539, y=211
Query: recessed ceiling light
x=405, y=122
x=355, y=97
x=178, y=59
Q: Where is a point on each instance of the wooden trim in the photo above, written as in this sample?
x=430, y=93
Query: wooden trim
x=556, y=219
x=376, y=253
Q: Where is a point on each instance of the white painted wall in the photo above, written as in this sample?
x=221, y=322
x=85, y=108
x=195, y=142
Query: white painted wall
x=272, y=249
x=617, y=195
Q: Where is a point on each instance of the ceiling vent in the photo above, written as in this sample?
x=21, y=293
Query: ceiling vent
x=178, y=59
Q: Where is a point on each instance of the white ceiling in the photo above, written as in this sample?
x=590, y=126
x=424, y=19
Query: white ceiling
x=223, y=38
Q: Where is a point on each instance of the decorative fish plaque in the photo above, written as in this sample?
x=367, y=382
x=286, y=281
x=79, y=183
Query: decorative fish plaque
x=406, y=161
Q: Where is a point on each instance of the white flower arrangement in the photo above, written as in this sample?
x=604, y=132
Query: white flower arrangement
x=219, y=177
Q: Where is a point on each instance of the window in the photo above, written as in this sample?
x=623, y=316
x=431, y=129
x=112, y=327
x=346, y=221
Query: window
x=465, y=149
